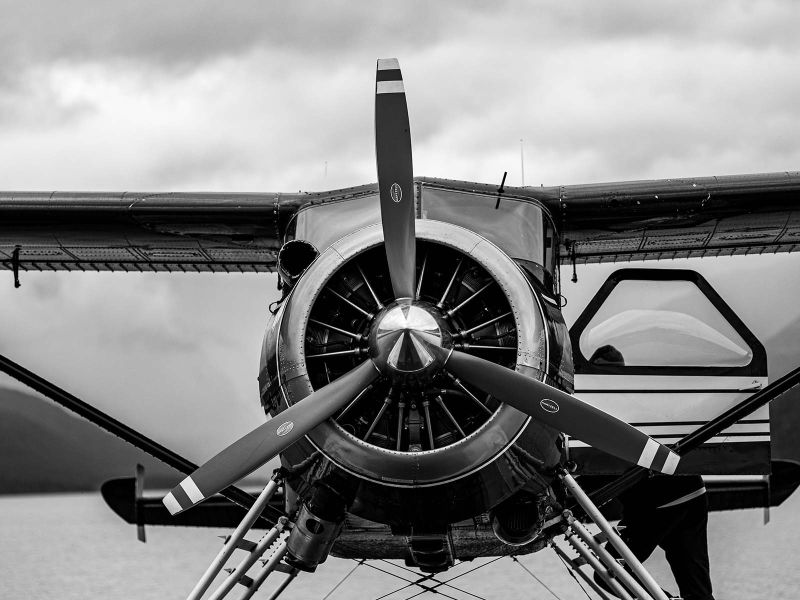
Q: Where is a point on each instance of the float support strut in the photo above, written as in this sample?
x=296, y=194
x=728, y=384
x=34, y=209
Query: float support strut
x=241, y=570
x=596, y=516
x=237, y=536
x=269, y=567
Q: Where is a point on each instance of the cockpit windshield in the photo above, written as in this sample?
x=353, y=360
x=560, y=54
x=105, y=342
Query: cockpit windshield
x=514, y=225
x=517, y=226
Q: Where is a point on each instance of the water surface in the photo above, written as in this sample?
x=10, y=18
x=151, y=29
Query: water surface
x=71, y=546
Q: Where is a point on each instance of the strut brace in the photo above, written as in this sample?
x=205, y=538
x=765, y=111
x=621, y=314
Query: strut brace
x=119, y=429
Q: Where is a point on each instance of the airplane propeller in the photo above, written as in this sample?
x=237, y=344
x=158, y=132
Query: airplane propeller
x=545, y=403
x=395, y=176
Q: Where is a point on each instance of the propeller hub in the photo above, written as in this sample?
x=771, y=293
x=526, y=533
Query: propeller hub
x=401, y=339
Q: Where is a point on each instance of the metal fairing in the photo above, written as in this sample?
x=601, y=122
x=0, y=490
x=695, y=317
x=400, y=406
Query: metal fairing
x=560, y=368
x=433, y=487
x=468, y=539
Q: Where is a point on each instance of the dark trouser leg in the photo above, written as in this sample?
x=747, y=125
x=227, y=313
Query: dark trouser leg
x=645, y=530
x=686, y=549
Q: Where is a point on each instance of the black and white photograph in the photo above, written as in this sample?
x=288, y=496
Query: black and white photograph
x=394, y=300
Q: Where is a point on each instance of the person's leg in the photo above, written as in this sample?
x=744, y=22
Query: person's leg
x=643, y=530
x=686, y=550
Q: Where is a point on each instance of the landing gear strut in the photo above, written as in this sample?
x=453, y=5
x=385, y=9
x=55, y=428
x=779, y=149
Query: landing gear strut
x=627, y=578
x=270, y=544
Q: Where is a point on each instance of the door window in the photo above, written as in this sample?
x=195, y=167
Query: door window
x=667, y=321
x=662, y=323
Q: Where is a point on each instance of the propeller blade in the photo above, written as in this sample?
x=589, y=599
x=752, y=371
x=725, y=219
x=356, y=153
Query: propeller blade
x=266, y=441
x=395, y=176
x=564, y=412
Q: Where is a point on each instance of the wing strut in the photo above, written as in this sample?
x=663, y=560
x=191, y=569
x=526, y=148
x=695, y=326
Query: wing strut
x=119, y=429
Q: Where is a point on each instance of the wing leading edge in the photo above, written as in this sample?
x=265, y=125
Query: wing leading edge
x=143, y=232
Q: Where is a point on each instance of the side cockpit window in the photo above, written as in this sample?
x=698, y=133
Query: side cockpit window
x=662, y=323
x=647, y=320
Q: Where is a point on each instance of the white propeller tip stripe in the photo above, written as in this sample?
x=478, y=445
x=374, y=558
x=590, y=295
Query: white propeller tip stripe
x=172, y=505
x=648, y=454
x=390, y=87
x=671, y=464
x=191, y=489
x=386, y=64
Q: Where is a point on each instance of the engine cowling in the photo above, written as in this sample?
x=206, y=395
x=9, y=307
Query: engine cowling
x=415, y=428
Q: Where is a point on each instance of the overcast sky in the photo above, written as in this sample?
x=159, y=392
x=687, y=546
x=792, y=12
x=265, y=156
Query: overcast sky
x=249, y=96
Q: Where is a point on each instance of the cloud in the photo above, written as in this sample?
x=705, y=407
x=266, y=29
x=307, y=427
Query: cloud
x=176, y=357
x=30, y=102
x=738, y=23
x=184, y=34
x=261, y=97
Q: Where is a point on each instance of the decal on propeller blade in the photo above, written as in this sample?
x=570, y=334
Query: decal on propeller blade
x=548, y=405
x=396, y=192
x=284, y=428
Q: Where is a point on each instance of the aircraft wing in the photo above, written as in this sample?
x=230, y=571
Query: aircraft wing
x=143, y=232
x=678, y=218
x=605, y=222
x=668, y=218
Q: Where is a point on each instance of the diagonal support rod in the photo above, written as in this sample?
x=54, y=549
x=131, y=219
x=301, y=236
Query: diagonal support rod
x=119, y=429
